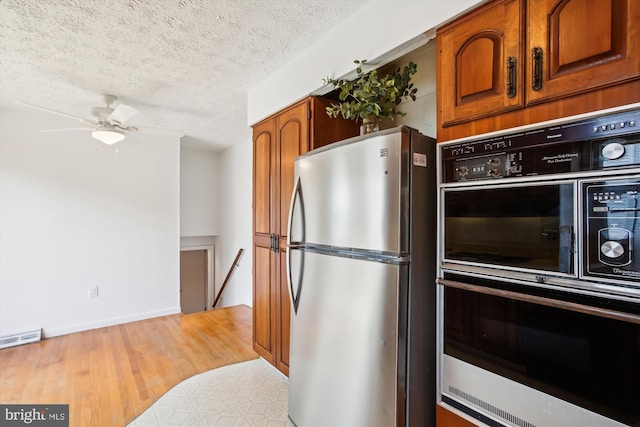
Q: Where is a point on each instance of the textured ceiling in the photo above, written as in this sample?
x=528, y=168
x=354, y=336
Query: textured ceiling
x=184, y=64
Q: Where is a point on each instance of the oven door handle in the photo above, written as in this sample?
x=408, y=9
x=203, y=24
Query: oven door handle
x=624, y=209
x=535, y=299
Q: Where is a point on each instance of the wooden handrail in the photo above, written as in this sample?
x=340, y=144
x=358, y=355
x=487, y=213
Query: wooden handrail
x=226, y=280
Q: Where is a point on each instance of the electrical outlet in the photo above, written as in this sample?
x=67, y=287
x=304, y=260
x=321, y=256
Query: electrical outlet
x=93, y=292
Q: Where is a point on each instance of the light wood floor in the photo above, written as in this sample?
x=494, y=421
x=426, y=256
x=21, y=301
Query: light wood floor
x=109, y=376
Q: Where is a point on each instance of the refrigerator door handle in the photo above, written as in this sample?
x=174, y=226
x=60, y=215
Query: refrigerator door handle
x=296, y=203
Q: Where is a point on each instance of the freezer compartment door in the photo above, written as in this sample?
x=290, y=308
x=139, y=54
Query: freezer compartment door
x=344, y=342
x=352, y=195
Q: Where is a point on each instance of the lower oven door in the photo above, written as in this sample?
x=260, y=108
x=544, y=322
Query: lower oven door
x=517, y=359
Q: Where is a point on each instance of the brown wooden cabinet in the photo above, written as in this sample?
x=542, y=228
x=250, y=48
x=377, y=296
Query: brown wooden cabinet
x=277, y=141
x=514, y=62
x=478, y=57
x=578, y=46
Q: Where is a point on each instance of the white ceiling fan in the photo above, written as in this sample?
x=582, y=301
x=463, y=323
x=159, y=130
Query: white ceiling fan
x=108, y=125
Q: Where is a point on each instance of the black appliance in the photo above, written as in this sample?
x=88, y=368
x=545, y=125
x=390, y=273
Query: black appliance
x=539, y=273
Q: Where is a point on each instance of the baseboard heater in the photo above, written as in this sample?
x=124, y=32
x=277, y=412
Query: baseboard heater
x=21, y=338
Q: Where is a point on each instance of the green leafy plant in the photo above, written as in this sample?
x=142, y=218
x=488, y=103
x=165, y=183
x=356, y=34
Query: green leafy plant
x=370, y=96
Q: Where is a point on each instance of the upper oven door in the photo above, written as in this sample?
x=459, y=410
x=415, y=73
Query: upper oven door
x=519, y=228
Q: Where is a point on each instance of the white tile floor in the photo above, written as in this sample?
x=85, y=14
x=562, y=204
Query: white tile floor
x=250, y=393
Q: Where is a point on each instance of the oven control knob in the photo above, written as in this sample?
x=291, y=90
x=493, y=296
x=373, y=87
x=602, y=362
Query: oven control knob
x=613, y=151
x=462, y=170
x=612, y=249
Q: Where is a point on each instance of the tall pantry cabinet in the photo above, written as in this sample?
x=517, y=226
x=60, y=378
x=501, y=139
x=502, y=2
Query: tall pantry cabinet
x=277, y=141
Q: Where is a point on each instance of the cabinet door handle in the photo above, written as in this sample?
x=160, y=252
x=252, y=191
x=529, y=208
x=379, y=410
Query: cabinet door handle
x=274, y=242
x=511, y=77
x=536, y=66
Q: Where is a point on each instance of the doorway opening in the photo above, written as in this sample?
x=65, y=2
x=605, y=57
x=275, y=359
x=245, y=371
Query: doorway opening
x=196, y=278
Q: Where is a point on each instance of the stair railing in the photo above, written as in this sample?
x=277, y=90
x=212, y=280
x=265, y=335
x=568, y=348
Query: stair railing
x=229, y=274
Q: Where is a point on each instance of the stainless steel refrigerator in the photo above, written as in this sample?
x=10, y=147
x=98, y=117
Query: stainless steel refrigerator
x=361, y=271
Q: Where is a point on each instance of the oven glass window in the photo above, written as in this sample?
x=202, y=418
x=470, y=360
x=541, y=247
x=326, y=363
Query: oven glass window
x=524, y=227
x=590, y=361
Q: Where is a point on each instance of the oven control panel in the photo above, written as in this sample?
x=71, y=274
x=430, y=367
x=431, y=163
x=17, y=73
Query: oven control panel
x=507, y=164
x=612, y=229
x=599, y=143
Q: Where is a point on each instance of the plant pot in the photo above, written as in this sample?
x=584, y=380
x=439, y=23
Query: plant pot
x=369, y=126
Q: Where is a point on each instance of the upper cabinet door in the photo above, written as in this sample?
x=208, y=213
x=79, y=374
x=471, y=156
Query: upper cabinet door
x=576, y=46
x=293, y=134
x=263, y=153
x=480, y=64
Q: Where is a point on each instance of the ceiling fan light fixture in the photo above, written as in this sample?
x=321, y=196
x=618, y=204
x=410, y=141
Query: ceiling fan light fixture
x=108, y=135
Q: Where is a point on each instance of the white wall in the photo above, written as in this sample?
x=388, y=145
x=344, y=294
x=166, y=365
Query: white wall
x=421, y=113
x=73, y=214
x=381, y=28
x=199, y=208
x=235, y=198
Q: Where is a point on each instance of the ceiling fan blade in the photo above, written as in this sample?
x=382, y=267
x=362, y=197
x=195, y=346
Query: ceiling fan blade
x=66, y=130
x=122, y=114
x=59, y=113
x=125, y=128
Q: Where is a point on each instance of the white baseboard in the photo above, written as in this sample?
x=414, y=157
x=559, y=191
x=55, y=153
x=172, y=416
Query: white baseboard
x=79, y=327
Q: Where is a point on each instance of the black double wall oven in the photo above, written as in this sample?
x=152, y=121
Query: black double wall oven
x=539, y=273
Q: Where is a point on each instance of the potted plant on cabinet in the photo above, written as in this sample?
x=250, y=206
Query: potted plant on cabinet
x=370, y=97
